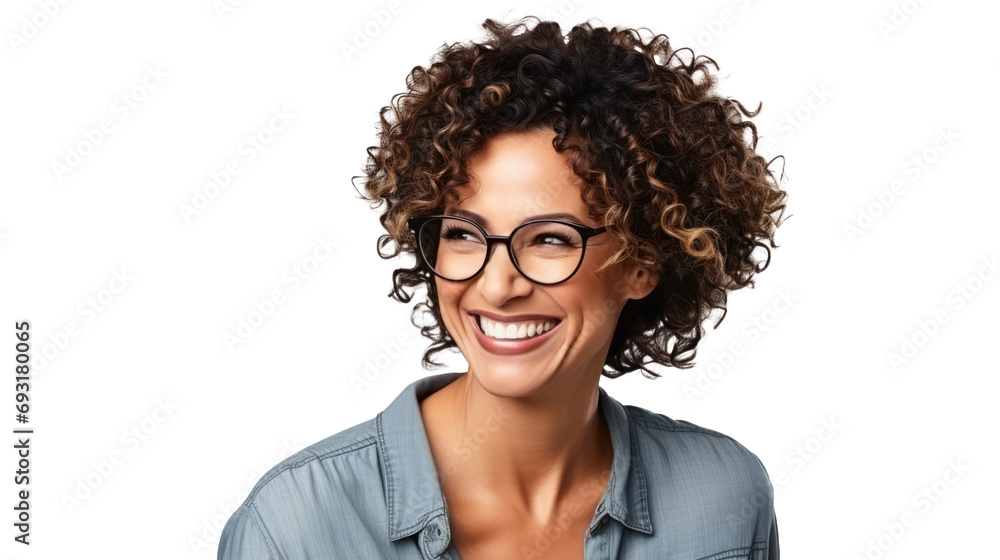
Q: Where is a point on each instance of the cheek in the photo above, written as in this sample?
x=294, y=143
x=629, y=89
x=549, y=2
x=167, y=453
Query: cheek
x=448, y=295
x=586, y=297
x=598, y=289
x=448, y=292
x=597, y=298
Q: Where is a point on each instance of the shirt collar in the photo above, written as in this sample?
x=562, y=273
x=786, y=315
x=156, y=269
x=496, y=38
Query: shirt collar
x=413, y=490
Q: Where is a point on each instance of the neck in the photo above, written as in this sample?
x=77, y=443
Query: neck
x=530, y=452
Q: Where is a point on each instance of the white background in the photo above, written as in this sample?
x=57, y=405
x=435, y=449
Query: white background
x=852, y=93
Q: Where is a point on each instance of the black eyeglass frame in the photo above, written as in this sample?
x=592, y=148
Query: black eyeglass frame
x=586, y=232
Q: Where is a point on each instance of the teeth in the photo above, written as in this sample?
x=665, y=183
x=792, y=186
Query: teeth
x=505, y=331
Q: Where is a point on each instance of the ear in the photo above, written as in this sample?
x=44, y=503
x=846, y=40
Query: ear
x=639, y=282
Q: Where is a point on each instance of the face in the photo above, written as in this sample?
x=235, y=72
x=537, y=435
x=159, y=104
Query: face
x=515, y=178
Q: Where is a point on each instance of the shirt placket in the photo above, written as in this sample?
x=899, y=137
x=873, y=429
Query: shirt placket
x=432, y=538
x=595, y=545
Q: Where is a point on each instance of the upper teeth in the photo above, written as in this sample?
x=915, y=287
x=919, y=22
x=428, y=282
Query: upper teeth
x=523, y=329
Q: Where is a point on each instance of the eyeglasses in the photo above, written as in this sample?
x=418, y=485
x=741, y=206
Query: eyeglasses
x=544, y=251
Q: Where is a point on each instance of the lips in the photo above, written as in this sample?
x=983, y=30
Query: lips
x=510, y=346
x=514, y=330
x=513, y=318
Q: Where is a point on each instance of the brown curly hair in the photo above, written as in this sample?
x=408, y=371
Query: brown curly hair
x=664, y=160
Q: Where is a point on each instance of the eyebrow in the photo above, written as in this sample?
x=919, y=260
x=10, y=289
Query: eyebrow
x=486, y=223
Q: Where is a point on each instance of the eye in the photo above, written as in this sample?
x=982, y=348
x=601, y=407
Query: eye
x=459, y=233
x=559, y=239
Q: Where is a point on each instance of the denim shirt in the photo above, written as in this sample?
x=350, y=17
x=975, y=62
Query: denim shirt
x=676, y=491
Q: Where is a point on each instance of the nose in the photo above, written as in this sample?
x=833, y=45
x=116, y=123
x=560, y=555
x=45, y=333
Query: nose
x=500, y=280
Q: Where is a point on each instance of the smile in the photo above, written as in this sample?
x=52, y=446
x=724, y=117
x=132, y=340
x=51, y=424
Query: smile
x=518, y=330
x=512, y=338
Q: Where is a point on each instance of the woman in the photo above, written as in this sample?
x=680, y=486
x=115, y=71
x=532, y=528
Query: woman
x=574, y=205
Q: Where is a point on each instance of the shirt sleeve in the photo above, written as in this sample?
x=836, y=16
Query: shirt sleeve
x=768, y=531
x=243, y=537
x=772, y=539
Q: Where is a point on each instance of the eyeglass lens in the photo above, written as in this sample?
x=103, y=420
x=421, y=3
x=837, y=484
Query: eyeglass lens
x=546, y=252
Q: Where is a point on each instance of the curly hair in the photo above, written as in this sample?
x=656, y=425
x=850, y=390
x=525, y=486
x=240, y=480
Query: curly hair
x=665, y=163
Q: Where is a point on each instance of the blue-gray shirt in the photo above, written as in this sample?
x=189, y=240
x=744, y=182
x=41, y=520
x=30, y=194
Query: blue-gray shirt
x=676, y=491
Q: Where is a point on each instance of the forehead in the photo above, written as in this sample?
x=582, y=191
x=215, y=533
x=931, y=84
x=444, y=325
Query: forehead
x=520, y=176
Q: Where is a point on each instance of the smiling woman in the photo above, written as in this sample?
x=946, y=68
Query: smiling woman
x=573, y=305
x=576, y=207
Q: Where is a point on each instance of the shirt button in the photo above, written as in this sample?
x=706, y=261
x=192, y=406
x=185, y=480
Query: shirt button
x=604, y=520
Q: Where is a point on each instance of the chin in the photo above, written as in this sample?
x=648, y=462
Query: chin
x=511, y=379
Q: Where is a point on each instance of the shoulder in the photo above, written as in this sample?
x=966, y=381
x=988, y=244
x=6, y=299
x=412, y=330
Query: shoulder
x=300, y=494
x=693, y=442
x=355, y=446
x=334, y=464
x=682, y=458
x=708, y=490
